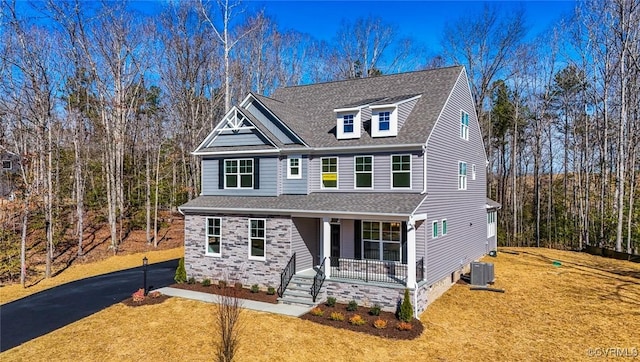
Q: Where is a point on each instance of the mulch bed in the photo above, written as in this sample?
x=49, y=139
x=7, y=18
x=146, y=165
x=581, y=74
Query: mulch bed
x=243, y=293
x=389, y=332
x=148, y=300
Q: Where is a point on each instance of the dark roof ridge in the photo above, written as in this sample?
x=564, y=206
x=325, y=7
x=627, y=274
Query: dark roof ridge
x=376, y=77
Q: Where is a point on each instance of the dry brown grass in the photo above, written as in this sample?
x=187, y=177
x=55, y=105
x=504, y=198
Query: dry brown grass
x=12, y=292
x=547, y=313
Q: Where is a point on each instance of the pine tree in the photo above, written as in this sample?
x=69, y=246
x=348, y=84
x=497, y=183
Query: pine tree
x=181, y=273
x=406, y=309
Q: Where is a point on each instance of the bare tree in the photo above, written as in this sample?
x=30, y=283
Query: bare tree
x=228, y=322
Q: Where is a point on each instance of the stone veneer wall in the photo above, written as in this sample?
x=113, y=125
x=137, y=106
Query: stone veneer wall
x=234, y=263
x=388, y=296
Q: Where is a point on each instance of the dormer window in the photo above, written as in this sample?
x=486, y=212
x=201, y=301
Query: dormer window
x=384, y=121
x=347, y=123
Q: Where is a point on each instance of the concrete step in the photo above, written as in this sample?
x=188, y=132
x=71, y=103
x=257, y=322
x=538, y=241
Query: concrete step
x=297, y=293
x=305, y=302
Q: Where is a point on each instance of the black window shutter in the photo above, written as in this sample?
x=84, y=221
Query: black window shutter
x=221, y=174
x=256, y=173
x=357, y=238
x=404, y=242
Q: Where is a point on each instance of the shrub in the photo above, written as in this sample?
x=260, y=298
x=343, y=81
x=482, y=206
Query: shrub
x=380, y=323
x=317, y=312
x=406, y=309
x=352, y=306
x=222, y=284
x=191, y=280
x=255, y=288
x=155, y=294
x=206, y=282
x=331, y=301
x=271, y=290
x=357, y=320
x=238, y=285
x=336, y=316
x=375, y=310
x=405, y=326
x=138, y=296
x=181, y=272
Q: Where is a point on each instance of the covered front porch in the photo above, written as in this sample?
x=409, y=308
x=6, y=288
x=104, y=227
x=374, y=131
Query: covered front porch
x=362, y=250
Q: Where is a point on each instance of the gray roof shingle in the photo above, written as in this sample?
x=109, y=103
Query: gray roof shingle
x=400, y=204
x=309, y=109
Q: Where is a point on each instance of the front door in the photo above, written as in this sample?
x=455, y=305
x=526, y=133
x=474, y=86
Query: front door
x=335, y=244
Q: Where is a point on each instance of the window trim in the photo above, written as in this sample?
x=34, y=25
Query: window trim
x=291, y=176
x=464, y=127
x=410, y=172
x=207, y=235
x=355, y=173
x=387, y=121
x=344, y=123
x=238, y=174
x=380, y=241
x=462, y=178
x=434, y=229
x=264, y=240
x=443, y=232
x=322, y=187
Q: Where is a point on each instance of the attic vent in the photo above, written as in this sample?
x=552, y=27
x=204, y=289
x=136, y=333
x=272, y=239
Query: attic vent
x=482, y=273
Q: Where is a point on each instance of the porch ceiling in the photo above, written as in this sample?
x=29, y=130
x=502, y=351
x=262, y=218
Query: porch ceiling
x=390, y=204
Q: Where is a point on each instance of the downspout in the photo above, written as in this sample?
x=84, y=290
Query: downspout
x=424, y=169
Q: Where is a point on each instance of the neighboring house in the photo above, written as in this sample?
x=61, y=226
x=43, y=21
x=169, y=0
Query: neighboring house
x=10, y=165
x=371, y=185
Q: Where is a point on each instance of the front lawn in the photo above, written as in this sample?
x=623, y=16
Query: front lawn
x=548, y=312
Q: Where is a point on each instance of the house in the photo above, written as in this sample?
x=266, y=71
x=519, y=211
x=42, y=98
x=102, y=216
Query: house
x=10, y=163
x=355, y=189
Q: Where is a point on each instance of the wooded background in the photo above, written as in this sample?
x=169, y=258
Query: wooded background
x=104, y=106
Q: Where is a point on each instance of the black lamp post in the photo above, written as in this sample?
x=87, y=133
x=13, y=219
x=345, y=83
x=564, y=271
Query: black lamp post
x=145, y=262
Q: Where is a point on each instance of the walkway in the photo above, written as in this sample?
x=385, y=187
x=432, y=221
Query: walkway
x=284, y=309
x=46, y=311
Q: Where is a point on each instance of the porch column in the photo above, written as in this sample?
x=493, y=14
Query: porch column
x=411, y=253
x=326, y=245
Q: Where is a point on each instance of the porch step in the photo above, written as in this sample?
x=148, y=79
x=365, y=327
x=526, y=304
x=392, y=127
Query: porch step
x=298, y=292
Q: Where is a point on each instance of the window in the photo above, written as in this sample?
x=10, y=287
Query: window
x=293, y=168
x=491, y=224
x=257, y=240
x=444, y=227
x=214, y=233
x=384, y=121
x=347, y=123
x=434, y=230
x=364, y=172
x=6, y=164
x=464, y=125
x=462, y=175
x=401, y=171
x=382, y=240
x=238, y=174
x=473, y=171
x=329, y=173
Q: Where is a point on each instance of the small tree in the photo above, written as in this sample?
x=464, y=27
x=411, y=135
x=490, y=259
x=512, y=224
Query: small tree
x=228, y=323
x=181, y=272
x=406, y=309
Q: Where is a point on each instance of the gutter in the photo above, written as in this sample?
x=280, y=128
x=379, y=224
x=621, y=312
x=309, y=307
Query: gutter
x=293, y=212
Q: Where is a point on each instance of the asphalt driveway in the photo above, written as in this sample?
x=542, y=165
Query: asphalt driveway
x=46, y=311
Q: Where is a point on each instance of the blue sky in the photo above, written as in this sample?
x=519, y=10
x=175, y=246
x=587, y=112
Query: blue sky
x=423, y=21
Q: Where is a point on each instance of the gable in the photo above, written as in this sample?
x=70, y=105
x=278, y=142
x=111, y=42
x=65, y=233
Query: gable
x=235, y=130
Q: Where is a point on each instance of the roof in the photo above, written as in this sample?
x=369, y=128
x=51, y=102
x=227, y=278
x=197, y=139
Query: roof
x=309, y=109
x=388, y=204
x=493, y=204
